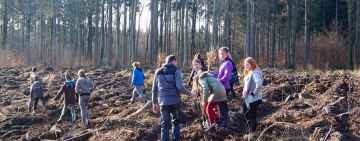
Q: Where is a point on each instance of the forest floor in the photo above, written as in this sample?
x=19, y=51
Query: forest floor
x=298, y=106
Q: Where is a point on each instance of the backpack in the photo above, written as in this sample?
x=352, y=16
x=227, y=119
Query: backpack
x=69, y=86
x=234, y=81
x=36, y=89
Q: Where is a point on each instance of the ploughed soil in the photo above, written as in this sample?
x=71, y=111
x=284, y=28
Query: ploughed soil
x=297, y=106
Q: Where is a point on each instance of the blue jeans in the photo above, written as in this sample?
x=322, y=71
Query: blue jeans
x=83, y=102
x=139, y=91
x=170, y=114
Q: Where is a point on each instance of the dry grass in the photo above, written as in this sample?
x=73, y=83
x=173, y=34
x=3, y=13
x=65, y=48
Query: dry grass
x=211, y=58
x=161, y=59
x=356, y=73
x=149, y=79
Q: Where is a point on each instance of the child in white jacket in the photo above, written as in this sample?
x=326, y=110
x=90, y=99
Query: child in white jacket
x=253, y=82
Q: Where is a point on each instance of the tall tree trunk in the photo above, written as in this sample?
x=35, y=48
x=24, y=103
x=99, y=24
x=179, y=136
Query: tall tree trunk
x=176, y=27
x=357, y=34
x=77, y=30
x=337, y=22
x=207, y=22
x=292, y=16
x=124, y=48
x=90, y=35
x=323, y=13
x=97, y=32
x=268, y=35
x=5, y=24
x=23, y=29
x=168, y=44
x=166, y=26
x=118, y=35
x=273, y=46
x=182, y=30
x=110, y=32
x=251, y=25
x=161, y=35
x=132, y=26
x=227, y=24
x=102, y=46
x=42, y=40
x=28, y=19
x=138, y=32
x=82, y=39
x=215, y=26
x=28, y=23
x=193, y=25
x=307, y=34
x=52, y=37
x=351, y=36
x=186, y=40
x=154, y=31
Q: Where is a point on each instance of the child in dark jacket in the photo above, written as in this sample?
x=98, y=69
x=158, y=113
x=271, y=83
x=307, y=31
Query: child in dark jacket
x=137, y=81
x=36, y=94
x=68, y=90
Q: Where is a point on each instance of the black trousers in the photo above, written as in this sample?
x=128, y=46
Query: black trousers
x=230, y=93
x=33, y=103
x=251, y=114
x=224, y=114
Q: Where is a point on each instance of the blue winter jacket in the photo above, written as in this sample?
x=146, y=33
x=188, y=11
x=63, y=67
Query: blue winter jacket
x=138, y=77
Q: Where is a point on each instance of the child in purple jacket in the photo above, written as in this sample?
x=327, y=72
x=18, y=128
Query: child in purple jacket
x=224, y=75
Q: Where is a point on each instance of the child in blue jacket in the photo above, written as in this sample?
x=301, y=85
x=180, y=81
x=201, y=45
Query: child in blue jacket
x=137, y=81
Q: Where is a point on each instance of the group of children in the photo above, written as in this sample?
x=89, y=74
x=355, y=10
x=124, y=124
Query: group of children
x=212, y=88
x=74, y=91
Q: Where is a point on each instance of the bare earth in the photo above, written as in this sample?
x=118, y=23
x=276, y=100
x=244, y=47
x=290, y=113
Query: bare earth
x=298, y=106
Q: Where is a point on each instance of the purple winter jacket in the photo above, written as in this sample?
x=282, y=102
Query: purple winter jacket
x=225, y=72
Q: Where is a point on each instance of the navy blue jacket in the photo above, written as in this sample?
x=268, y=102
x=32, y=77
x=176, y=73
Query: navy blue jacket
x=167, y=86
